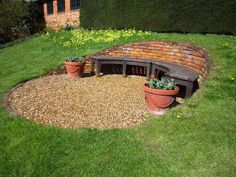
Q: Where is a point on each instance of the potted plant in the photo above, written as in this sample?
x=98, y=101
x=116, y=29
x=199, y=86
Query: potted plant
x=160, y=94
x=75, y=66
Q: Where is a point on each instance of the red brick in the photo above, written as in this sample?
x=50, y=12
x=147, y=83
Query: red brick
x=181, y=53
x=57, y=20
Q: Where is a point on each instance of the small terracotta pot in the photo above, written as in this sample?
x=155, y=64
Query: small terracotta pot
x=159, y=100
x=74, y=69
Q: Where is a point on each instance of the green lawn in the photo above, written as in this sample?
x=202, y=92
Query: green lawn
x=202, y=142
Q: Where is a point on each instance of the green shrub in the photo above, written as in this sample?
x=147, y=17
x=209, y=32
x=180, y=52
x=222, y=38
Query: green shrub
x=19, y=19
x=201, y=16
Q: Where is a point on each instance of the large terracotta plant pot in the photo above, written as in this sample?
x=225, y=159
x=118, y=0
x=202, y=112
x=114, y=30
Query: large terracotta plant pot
x=74, y=69
x=159, y=100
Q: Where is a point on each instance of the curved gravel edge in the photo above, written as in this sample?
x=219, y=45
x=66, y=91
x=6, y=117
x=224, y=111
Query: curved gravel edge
x=8, y=107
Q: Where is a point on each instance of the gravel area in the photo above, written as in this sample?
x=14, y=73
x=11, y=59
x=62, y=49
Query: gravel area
x=111, y=101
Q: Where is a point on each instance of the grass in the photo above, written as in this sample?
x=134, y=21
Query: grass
x=195, y=139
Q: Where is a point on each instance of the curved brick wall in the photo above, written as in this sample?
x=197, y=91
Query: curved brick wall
x=185, y=54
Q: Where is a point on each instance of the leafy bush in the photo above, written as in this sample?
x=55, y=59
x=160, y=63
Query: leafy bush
x=69, y=27
x=19, y=19
x=163, y=84
x=195, y=16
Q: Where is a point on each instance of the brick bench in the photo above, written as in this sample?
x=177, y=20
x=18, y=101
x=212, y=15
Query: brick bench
x=181, y=75
x=178, y=60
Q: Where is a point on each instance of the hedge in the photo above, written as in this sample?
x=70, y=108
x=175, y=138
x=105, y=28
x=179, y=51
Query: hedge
x=194, y=16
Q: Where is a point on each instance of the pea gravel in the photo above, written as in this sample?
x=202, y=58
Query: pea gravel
x=111, y=101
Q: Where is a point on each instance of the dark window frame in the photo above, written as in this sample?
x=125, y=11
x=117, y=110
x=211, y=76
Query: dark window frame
x=50, y=7
x=74, y=4
x=60, y=5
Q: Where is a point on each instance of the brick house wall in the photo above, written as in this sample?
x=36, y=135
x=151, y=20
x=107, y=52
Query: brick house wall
x=58, y=20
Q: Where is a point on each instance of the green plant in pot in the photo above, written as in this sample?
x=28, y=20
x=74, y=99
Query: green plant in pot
x=75, y=66
x=160, y=94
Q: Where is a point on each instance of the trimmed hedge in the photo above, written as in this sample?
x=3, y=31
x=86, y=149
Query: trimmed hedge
x=195, y=16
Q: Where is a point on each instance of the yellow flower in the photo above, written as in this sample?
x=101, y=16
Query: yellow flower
x=80, y=37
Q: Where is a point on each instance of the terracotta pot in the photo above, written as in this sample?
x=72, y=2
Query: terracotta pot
x=159, y=100
x=74, y=69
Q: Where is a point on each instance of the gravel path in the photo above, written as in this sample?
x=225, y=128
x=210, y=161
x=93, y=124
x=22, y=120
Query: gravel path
x=110, y=101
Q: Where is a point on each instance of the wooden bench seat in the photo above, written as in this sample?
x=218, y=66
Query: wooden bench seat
x=181, y=74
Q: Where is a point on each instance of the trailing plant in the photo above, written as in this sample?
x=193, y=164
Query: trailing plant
x=75, y=59
x=162, y=84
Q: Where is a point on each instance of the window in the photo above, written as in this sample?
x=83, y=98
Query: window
x=74, y=4
x=50, y=7
x=60, y=5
